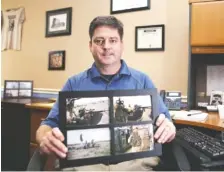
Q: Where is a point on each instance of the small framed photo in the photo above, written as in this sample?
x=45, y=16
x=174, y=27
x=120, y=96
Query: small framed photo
x=217, y=98
x=59, y=22
x=108, y=126
x=18, y=89
x=150, y=38
x=56, y=60
x=121, y=6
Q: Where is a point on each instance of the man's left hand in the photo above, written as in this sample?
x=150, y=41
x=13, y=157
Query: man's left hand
x=166, y=130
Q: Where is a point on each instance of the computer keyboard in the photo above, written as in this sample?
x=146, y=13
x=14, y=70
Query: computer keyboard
x=210, y=146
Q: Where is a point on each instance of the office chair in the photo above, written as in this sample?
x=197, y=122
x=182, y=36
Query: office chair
x=172, y=159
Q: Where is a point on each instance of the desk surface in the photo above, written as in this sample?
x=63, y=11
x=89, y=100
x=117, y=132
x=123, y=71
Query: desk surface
x=213, y=121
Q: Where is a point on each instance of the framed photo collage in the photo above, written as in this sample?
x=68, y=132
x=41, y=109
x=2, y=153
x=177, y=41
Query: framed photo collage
x=108, y=126
x=18, y=89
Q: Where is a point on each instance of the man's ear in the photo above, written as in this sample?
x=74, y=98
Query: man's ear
x=90, y=44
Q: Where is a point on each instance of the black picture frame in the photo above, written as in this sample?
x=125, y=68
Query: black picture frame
x=71, y=102
x=56, y=60
x=18, y=89
x=128, y=9
x=59, y=22
x=159, y=35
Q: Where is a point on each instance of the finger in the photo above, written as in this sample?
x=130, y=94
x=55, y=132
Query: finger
x=160, y=130
x=173, y=133
x=163, y=134
x=167, y=135
x=58, y=134
x=58, y=144
x=54, y=149
x=160, y=119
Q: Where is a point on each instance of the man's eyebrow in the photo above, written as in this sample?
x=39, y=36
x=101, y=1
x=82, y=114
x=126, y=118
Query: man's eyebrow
x=99, y=37
x=113, y=37
x=104, y=38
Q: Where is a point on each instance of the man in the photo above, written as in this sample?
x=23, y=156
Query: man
x=108, y=72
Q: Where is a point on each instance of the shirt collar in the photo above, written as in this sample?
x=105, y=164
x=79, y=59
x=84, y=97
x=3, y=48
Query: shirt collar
x=124, y=70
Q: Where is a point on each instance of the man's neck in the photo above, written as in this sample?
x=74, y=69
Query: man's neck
x=109, y=69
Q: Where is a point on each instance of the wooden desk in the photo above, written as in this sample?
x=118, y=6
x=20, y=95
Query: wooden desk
x=213, y=122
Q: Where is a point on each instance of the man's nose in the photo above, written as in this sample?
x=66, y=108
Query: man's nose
x=107, y=44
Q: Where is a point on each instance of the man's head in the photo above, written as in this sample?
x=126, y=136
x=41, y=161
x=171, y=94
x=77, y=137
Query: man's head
x=106, y=45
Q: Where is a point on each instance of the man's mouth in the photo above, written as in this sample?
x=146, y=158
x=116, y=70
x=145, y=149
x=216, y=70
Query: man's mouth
x=107, y=54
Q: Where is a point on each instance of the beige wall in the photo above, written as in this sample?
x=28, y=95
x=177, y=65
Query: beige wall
x=168, y=69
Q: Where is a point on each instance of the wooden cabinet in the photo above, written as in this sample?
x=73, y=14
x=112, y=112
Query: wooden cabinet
x=207, y=23
x=207, y=46
x=15, y=135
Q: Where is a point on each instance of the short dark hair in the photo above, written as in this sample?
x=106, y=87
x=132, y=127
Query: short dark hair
x=110, y=21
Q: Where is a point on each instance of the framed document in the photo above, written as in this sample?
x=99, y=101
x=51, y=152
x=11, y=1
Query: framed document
x=149, y=38
x=108, y=126
x=121, y=6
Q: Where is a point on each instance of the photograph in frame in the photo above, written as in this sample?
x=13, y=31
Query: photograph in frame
x=12, y=93
x=59, y=22
x=121, y=6
x=150, y=38
x=88, y=143
x=132, y=108
x=87, y=111
x=12, y=85
x=25, y=93
x=84, y=146
x=133, y=138
x=25, y=85
x=56, y=60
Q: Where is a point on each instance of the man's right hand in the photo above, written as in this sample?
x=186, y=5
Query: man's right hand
x=51, y=142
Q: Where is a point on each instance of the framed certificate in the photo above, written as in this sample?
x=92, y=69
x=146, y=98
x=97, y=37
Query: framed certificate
x=121, y=6
x=108, y=126
x=149, y=38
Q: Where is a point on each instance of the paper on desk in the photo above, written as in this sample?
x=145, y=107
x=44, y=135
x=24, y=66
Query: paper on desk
x=183, y=115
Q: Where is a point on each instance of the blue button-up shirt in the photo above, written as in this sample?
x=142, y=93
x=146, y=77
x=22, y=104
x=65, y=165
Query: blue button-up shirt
x=126, y=78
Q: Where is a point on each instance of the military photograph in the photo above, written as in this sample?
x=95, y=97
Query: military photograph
x=132, y=108
x=25, y=93
x=132, y=139
x=25, y=85
x=12, y=85
x=88, y=143
x=11, y=93
x=87, y=111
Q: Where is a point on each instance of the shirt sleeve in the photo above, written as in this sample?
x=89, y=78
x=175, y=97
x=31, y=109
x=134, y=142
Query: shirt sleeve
x=162, y=107
x=52, y=119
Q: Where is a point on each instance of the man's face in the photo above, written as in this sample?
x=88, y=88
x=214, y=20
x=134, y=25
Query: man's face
x=106, y=46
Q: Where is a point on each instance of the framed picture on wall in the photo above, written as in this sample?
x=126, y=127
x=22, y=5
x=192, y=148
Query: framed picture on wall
x=150, y=38
x=124, y=121
x=59, y=22
x=56, y=60
x=18, y=89
x=121, y=6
